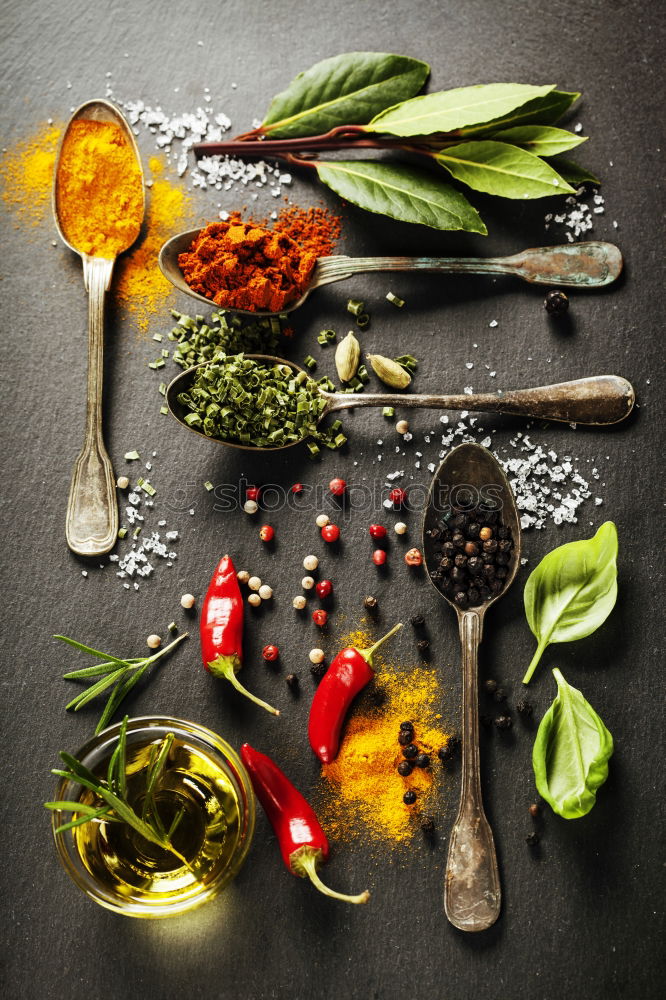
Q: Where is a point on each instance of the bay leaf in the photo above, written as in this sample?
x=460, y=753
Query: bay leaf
x=448, y=110
x=401, y=192
x=502, y=169
x=542, y=140
x=540, y=111
x=573, y=172
x=344, y=90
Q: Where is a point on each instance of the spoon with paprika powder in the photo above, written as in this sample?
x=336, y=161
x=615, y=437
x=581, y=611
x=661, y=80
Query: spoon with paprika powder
x=470, y=487
x=598, y=400
x=234, y=266
x=98, y=209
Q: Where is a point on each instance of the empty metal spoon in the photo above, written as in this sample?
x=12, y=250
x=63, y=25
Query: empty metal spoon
x=91, y=524
x=469, y=478
x=602, y=399
x=577, y=265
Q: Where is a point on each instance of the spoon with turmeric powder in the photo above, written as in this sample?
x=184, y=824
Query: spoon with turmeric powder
x=263, y=403
x=98, y=208
x=244, y=268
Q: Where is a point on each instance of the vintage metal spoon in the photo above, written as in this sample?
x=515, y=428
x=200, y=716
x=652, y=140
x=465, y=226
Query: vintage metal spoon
x=91, y=524
x=603, y=399
x=577, y=265
x=470, y=477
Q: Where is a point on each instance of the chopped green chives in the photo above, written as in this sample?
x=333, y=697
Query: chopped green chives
x=132, y=456
x=363, y=321
x=388, y=411
x=165, y=353
x=395, y=300
x=355, y=307
x=309, y=362
x=162, y=388
x=362, y=375
x=156, y=364
x=136, y=532
x=122, y=532
x=408, y=362
x=164, y=409
x=172, y=627
x=208, y=485
x=158, y=337
x=146, y=487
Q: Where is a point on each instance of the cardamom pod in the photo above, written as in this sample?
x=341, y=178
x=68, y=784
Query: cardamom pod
x=347, y=357
x=390, y=372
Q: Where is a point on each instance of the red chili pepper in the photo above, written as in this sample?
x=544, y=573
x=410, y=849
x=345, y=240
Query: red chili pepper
x=348, y=674
x=377, y=531
x=302, y=841
x=330, y=533
x=221, y=628
x=379, y=557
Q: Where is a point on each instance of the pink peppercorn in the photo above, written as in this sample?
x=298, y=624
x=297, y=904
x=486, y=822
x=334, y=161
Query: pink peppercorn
x=330, y=533
x=377, y=531
x=379, y=557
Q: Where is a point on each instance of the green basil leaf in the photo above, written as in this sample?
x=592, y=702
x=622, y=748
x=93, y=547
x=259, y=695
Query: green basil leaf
x=571, y=753
x=572, y=591
x=540, y=111
x=542, y=140
x=405, y=193
x=573, y=173
x=448, y=110
x=502, y=169
x=345, y=90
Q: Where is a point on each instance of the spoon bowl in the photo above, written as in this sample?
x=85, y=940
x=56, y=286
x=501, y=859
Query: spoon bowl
x=576, y=265
x=599, y=400
x=470, y=480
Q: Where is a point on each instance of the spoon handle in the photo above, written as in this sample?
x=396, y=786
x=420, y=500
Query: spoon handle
x=472, y=892
x=601, y=399
x=578, y=265
x=91, y=525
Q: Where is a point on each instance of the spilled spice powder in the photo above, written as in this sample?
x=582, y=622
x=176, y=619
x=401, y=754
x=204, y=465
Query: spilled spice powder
x=316, y=229
x=139, y=284
x=362, y=795
x=26, y=172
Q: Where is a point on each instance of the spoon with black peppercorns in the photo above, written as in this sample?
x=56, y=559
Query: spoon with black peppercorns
x=471, y=543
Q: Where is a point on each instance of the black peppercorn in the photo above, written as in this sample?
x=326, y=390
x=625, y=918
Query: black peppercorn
x=460, y=561
x=446, y=563
x=458, y=574
x=499, y=694
x=473, y=596
x=504, y=722
x=490, y=545
x=449, y=548
x=473, y=530
x=423, y=760
x=409, y=798
x=370, y=602
x=318, y=670
x=291, y=681
x=501, y=573
x=503, y=532
x=407, y=725
x=505, y=545
x=405, y=737
x=556, y=302
x=410, y=751
x=532, y=839
x=418, y=621
x=449, y=749
x=502, y=559
x=461, y=599
x=405, y=768
x=458, y=540
x=490, y=685
x=524, y=707
x=475, y=565
x=428, y=825
x=423, y=645
x=534, y=810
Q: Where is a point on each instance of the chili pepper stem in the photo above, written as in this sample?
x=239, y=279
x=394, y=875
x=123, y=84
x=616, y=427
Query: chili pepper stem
x=226, y=666
x=535, y=660
x=304, y=863
x=367, y=654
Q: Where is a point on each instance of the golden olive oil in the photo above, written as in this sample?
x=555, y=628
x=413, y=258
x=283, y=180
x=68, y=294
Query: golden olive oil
x=194, y=784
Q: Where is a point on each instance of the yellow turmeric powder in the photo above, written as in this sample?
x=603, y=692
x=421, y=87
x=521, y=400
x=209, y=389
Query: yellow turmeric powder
x=363, y=792
x=26, y=172
x=99, y=189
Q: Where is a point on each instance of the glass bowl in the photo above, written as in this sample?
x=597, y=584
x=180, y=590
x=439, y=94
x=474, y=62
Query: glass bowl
x=203, y=782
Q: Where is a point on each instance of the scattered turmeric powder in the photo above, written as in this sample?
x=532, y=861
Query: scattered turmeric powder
x=26, y=172
x=99, y=189
x=363, y=793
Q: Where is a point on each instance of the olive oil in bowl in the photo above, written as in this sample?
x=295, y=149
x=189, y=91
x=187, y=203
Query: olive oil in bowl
x=203, y=792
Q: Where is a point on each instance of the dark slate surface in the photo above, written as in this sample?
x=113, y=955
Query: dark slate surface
x=582, y=916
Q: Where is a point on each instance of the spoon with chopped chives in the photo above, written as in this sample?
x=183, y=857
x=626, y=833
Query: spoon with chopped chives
x=260, y=402
x=91, y=524
x=576, y=265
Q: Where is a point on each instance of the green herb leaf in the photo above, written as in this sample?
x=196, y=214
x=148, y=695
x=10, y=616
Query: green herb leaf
x=449, y=110
x=401, y=192
x=345, y=90
x=542, y=140
x=572, y=591
x=573, y=173
x=502, y=169
x=540, y=111
x=571, y=753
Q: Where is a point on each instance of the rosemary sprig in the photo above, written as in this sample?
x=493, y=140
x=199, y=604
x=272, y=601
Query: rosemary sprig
x=113, y=792
x=113, y=672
